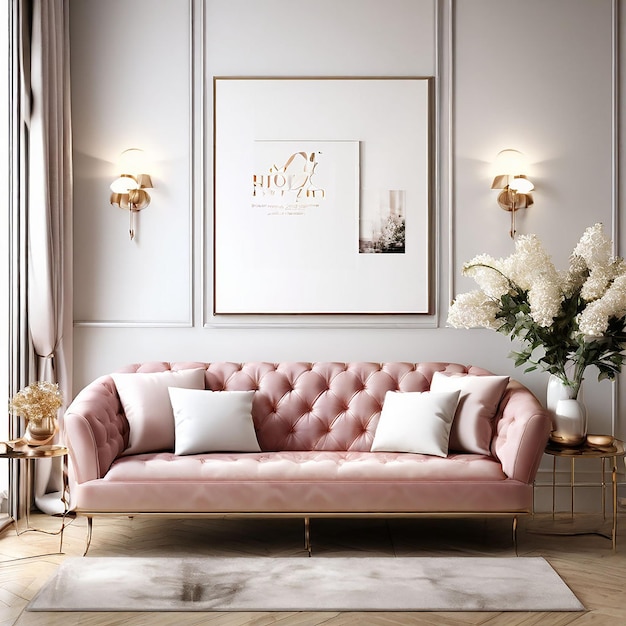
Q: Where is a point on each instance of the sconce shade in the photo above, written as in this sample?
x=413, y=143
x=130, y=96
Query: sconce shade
x=501, y=181
x=520, y=184
x=144, y=181
x=133, y=161
x=124, y=183
x=510, y=162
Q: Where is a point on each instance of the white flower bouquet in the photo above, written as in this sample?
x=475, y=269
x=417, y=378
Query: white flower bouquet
x=566, y=320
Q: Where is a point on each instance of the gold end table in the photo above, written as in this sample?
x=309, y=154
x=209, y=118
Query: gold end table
x=589, y=450
x=22, y=452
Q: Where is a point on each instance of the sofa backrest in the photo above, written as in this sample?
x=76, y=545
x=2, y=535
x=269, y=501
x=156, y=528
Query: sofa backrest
x=315, y=406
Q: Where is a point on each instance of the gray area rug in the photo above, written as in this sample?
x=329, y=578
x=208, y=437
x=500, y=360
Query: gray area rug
x=305, y=584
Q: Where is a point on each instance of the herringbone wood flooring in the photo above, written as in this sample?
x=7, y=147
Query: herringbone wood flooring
x=588, y=565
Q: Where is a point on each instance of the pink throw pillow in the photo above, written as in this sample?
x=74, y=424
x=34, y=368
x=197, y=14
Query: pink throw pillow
x=148, y=409
x=472, y=427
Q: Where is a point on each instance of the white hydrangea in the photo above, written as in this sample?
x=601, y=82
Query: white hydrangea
x=600, y=278
x=596, y=284
x=472, y=310
x=487, y=272
x=572, y=280
x=618, y=266
x=531, y=268
x=530, y=261
x=545, y=298
x=594, y=247
x=594, y=320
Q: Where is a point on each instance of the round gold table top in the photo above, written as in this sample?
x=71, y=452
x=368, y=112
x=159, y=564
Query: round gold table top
x=587, y=450
x=16, y=450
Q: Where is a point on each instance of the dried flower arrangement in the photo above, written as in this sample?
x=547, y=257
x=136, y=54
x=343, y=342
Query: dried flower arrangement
x=37, y=401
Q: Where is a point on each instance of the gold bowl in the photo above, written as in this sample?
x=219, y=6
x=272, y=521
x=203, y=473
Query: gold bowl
x=567, y=441
x=600, y=440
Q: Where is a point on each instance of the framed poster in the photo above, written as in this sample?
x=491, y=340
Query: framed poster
x=322, y=196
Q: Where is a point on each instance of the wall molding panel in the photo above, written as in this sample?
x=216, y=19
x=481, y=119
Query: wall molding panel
x=146, y=283
x=202, y=82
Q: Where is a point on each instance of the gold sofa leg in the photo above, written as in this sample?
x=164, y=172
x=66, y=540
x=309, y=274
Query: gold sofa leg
x=307, y=535
x=515, y=535
x=89, y=533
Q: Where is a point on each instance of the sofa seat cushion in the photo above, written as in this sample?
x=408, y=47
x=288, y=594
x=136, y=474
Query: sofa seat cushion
x=302, y=482
x=304, y=466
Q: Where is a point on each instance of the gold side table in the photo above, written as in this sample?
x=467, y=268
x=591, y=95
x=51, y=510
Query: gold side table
x=28, y=455
x=589, y=451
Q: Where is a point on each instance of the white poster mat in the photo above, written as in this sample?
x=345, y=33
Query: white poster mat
x=296, y=161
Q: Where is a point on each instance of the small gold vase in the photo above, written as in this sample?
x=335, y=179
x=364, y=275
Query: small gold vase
x=42, y=432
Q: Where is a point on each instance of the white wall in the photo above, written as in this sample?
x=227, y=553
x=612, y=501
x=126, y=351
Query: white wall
x=535, y=75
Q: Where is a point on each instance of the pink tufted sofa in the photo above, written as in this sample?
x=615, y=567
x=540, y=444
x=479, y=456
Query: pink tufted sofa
x=315, y=424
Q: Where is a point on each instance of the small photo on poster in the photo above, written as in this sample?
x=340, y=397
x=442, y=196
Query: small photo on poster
x=382, y=222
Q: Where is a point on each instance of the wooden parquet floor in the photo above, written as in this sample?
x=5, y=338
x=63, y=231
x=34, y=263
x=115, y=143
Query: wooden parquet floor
x=587, y=564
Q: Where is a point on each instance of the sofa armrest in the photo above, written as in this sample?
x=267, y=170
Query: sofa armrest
x=96, y=430
x=521, y=433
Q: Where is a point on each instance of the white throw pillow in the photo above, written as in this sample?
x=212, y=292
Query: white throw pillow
x=415, y=421
x=213, y=421
x=148, y=409
x=472, y=428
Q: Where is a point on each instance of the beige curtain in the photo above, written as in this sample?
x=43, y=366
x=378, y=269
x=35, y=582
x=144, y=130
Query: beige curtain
x=20, y=355
x=46, y=79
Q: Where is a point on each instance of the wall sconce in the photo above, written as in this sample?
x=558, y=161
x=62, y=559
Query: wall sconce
x=516, y=188
x=129, y=190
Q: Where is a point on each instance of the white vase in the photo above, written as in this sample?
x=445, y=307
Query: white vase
x=568, y=413
x=571, y=423
x=557, y=390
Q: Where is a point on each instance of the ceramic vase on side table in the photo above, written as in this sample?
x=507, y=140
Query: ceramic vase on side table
x=569, y=415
